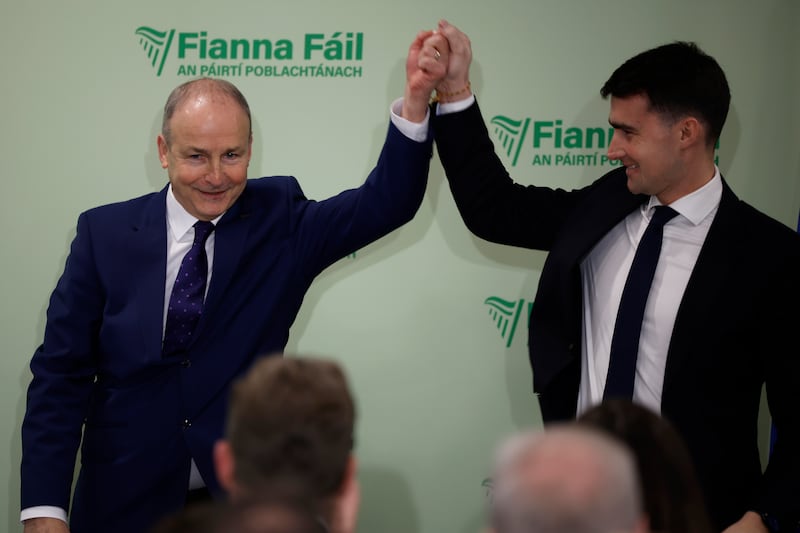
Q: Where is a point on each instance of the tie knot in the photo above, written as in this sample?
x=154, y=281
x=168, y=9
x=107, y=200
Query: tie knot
x=662, y=215
x=202, y=229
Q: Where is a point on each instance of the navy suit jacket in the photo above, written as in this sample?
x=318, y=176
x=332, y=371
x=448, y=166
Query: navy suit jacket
x=100, y=367
x=736, y=327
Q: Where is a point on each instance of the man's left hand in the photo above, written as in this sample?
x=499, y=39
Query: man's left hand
x=750, y=523
x=426, y=67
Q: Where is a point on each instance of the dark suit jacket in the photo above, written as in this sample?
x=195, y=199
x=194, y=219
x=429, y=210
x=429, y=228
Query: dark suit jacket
x=735, y=328
x=100, y=367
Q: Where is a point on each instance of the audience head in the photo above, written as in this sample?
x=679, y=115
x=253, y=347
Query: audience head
x=565, y=480
x=679, y=80
x=290, y=428
x=672, y=496
x=268, y=515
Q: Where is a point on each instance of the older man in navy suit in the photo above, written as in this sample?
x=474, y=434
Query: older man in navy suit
x=718, y=314
x=142, y=368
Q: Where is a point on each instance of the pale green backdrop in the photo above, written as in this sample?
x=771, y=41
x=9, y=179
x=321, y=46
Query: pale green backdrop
x=437, y=382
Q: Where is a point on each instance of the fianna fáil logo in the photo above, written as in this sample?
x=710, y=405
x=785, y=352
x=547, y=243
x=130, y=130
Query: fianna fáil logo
x=156, y=44
x=510, y=133
x=506, y=314
x=551, y=143
x=200, y=53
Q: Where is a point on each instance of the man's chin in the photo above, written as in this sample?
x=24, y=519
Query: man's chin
x=211, y=208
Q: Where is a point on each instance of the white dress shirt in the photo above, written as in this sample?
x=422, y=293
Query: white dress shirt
x=603, y=275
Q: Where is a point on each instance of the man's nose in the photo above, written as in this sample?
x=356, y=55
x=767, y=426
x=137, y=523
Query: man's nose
x=615, y=150
x=215, y=174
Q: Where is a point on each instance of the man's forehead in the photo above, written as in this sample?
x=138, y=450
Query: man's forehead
x=639, y=101
x=630, y=110
x=203, y=100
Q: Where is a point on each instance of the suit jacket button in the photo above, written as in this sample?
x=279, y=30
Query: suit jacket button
x=186, y=363
x=186, y=424
x=571, y=346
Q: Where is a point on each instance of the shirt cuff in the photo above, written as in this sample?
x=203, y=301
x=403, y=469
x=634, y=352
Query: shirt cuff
x=416, y=131
x=454, y=107
x=43, y=511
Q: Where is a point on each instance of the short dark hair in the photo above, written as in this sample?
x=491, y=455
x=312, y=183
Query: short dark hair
x=291, y=422
x=673, y=500
x=206, y=86
x=679, y=79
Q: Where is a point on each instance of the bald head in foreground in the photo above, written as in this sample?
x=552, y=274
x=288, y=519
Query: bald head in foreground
x=565, y=480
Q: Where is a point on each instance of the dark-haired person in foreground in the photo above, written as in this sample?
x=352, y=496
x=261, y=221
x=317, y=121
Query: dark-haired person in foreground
x=670, y=490
x=290, y=430
x=167, y=298
x=717, y=321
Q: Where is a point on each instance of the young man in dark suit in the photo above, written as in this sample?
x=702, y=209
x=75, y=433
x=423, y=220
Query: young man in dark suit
x=717, y=321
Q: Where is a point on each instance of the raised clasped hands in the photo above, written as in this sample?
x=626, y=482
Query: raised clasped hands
x=437, y=59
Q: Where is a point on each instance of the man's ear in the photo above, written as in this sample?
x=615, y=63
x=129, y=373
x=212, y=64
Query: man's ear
x=161, y=143
x=350, y=471
x=225, y=465
x=692, y=131
x=347, y=500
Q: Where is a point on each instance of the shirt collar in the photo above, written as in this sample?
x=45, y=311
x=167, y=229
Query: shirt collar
x=696, y=205
x=179, y=220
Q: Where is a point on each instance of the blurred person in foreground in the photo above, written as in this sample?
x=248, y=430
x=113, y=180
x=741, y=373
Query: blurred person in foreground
x=290, y=430
x=671, y=493
x=267, y=515
x=567, y=479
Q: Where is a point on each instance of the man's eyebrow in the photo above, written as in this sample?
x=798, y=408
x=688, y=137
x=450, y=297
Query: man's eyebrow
x=194, y=149
x=621, y=126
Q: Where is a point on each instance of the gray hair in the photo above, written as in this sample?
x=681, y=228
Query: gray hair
x=565, y=480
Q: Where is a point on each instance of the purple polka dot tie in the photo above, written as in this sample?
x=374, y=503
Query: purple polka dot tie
x=186, y=301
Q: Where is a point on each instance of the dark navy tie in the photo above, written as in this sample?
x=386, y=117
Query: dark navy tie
x=625, y=342
x=186, y=300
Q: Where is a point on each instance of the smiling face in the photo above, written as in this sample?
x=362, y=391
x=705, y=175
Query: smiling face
x=650, y=146
x=207, y=154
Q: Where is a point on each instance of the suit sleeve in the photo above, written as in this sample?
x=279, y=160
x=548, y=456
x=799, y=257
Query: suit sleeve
x=780, y=494
x=63, y=370
x=331, y=229
x=492, y=206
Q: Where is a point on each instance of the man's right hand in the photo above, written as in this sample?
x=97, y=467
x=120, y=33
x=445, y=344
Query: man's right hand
x=45, y=525
x=456, y=81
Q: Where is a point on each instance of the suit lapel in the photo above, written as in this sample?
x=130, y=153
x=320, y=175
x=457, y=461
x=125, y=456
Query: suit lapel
x=603, y=208
x=598, y=214
x=709, y=278
x=148, y=260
